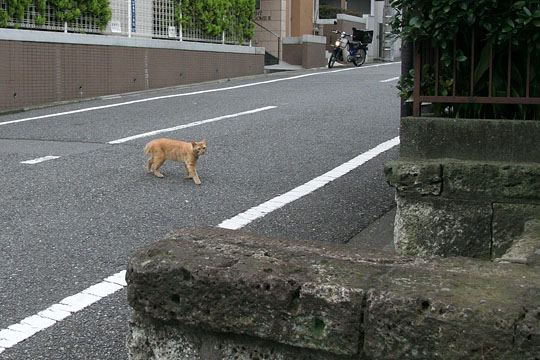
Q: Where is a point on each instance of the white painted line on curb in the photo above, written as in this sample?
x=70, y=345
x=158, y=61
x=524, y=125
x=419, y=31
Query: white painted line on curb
x=391, y=79
x=184, y=126
x=261, y=210
x=38, y=160
x=31, y=325
x=187, y=94
x=55, y=313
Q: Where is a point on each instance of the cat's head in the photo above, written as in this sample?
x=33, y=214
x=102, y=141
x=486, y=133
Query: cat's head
x=199, y=148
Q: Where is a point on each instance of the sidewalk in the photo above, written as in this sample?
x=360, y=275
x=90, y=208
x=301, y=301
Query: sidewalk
x=379, y=235
x=282, y=66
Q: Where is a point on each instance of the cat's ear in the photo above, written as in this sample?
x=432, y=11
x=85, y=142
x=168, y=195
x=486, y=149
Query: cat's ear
x=203, y=141
x=193, y=143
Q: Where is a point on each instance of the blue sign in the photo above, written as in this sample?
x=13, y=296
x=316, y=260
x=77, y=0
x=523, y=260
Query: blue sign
x=133, y=17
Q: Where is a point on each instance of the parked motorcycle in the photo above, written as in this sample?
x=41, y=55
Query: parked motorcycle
x=350, y=47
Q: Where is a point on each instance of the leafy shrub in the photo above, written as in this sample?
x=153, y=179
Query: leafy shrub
x=216, y=16
x=493, y=29
x=65, y=10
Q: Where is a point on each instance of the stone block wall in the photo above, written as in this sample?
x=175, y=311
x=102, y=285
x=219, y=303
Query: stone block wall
x=464, y=187
x=213, y=294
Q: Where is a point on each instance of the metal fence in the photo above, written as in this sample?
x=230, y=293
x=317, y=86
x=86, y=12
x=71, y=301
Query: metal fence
x=138, y=18
x=84, y=24
x=517, y=86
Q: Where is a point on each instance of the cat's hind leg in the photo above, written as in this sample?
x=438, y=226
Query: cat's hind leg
x=148, y=166
x=156, y=164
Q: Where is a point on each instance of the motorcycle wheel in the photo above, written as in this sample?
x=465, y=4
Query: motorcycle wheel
x=332, y=61
x=360, y=58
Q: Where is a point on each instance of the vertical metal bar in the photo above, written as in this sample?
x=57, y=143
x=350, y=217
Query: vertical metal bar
x=471, y=93
x=279, y=49
x=129, y=17
x=528, y=86
x=417, y=80
x=436, y=71
x=490, y=91
x=454, y=70
x=509, y=77
x=407, y=56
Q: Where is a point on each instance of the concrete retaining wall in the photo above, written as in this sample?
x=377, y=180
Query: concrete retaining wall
x=221, y=294
x=40, y=67
x=306, y=50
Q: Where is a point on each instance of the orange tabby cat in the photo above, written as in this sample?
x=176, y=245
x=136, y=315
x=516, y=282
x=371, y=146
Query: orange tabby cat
x=176, y=150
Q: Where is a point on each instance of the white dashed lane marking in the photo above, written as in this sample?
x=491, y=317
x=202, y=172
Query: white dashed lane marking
x=389, y=80
x=184, y=126
x=40, y=159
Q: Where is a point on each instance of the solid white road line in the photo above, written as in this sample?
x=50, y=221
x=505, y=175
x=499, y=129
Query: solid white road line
x=261, y=210
x=196, y=123
x=38, y=160
x=391, y=79
x=187, y=94
x=31, y=325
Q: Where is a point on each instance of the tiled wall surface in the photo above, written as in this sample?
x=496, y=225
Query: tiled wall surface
x=34, y=73
x=309, y=55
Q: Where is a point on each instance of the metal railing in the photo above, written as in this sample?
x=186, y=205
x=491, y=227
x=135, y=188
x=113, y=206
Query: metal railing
x=144, y=18
x=83, y=24
x=466, y=84
x=272, y=54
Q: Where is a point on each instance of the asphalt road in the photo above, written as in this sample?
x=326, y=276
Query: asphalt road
x=68, y=223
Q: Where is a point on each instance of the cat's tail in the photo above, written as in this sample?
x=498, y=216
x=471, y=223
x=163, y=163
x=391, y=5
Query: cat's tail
x=147, y=149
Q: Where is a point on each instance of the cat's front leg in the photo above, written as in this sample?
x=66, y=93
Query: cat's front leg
x=188, y=176
x=192, y=173
x=196, y=179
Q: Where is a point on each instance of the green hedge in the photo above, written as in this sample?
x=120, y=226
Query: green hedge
x=496, y=25
x=216, y=16
x=65, y=10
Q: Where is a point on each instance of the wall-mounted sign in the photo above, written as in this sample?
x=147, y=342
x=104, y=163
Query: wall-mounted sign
x=259, y=16
x=133, y=16
x=116, y=27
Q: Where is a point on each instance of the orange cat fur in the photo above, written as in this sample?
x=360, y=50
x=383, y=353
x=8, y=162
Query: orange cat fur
x=176, y=150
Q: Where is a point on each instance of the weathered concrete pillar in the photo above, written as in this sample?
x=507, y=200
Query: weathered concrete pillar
x=464, y=187
x=220, y=294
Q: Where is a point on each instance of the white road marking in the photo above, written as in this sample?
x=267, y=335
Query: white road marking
x=186, y=94
x=391, y=79
x=261, y=210
x=196, y=123
x=31, y=325
x=38, y=160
